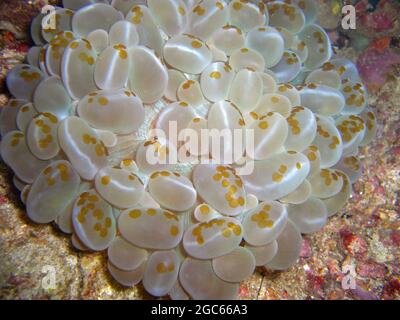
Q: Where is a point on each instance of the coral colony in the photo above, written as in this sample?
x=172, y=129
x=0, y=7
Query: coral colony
x=108, y=73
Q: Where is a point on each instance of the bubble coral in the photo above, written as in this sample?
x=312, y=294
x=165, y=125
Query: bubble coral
x=97, y=82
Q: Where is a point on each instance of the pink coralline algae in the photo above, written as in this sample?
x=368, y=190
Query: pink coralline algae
x=379, y=21
x=382, y=19
x=375, y=65
x=380, y=26
x=392, y=289
x=306, y=250
x=371, y=269
x=352, y=243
